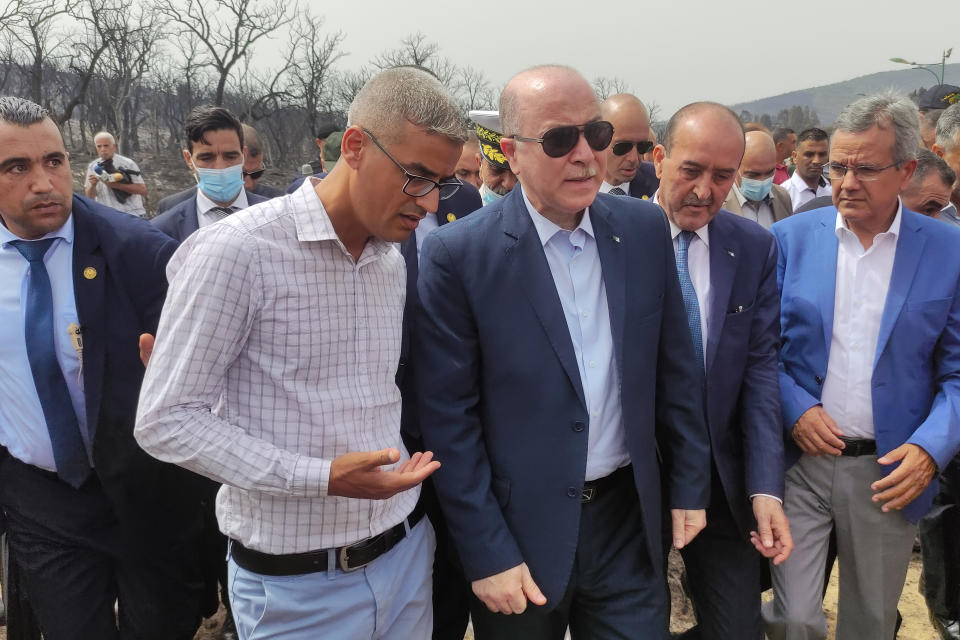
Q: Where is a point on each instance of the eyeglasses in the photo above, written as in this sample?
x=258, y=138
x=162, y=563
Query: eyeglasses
x=418, y=186
x=623, y=148
x=863, y=173
x=255, y=175
x=560, y=141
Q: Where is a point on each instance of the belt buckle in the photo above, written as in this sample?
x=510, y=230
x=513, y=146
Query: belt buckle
x=586, y=495
x=344, y=560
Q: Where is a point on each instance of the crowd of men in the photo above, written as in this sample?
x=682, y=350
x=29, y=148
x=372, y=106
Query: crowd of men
x=487, y=374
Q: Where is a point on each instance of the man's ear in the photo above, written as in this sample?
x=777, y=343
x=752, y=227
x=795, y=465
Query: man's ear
x=937, y=149
x=352, y=146
x=187, y=159
x=659, y=153
x=509, y=148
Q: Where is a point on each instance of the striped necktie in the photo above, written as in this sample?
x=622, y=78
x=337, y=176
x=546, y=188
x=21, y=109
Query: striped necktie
x=617, y=191
x=222, y=212
x=689, y=294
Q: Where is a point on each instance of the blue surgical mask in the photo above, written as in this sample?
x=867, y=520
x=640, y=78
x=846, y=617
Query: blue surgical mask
x=489, y=196
x=755, y=190
x=221, y=185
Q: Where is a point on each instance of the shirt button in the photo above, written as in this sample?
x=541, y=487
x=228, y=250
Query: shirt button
x=572, y=492
x=585, y=314
x=592, y=364
x=578, y=425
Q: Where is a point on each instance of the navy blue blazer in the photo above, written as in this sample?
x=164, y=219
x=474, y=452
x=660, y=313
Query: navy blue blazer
x=120, y=283
x=175, y=199
x=743, y=390
x=916, y=368
x=646, y=182
x=501, y=400
x=181, y=220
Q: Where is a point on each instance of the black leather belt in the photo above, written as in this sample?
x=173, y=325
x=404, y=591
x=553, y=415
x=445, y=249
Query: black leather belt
x=349, y=558
x=593, y=489
x=858, y=447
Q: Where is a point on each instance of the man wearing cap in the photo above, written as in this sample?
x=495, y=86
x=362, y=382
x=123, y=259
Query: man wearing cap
x=754, y=194
x=627, y=173
x=495, y=174
x=556, y=384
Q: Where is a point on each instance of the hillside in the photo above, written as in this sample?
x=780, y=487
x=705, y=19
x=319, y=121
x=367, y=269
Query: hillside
x=829, y=99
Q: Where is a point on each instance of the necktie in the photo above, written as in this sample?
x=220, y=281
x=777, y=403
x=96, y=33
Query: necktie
x=221, y=212
x=69, y=452
x=689, y=294
x=617, y=191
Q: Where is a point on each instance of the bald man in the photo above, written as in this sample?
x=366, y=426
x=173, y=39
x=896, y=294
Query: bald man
x=254, y=165
x=627, y=173
x=754, y=195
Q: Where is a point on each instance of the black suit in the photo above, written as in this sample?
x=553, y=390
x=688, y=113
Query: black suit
x=645, y=183
x=131, y=530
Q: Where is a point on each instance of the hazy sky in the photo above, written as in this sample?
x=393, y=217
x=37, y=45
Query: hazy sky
x=669, y=51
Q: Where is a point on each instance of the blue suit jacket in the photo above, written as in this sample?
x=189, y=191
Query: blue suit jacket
x=916, y=370
x=501, y=400
x=126, y=258
x=646, y=182
x=180, y=220
x=743, y=393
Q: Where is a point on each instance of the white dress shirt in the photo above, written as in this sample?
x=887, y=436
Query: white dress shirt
x=204, y=205
x=276, y=353
x=760, y=212
x=428, y=224
x=578, y=276
x=863, y=279
x=800, y=193
x=107, y=196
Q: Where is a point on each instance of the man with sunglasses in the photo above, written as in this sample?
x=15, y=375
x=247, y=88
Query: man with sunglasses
x=627, y=173
x=215, y=155
x=283, y=324
x=869, y=376
x=254, y=166
x=550, y=377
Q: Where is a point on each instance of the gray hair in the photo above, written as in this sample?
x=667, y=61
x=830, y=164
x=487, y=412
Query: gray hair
x=406, y=94
x=104, y=134
x=886, y=109
x=21, y=112
x=927, y=163
x=948, y=128
x=510, y=100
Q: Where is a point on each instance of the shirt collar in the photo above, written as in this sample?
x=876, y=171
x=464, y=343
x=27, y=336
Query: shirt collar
x=204, y=203
x=313, y=222
x=546, y=229
x=605, y=187
x=65, y=232
x=842, y=229
x=703, y=232
x=802, y=184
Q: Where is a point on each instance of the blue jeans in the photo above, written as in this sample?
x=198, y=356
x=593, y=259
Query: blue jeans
x=389, y=598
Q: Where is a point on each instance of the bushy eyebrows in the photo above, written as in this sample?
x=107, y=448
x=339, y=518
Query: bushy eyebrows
x=55, y=155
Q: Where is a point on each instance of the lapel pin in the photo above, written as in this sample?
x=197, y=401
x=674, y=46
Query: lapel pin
x=89, y=273
x=644, y=197
x=740, y=309
x=451, y=217
x=616, y=238
x=731, y=253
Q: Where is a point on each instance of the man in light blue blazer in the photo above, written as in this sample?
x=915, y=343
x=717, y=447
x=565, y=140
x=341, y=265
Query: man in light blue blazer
x=869, y=366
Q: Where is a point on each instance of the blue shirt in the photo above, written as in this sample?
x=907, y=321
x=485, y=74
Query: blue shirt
x=575, y=266
x=23, y=428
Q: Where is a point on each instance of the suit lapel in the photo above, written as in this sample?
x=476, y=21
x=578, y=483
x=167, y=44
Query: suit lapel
x=824, y=259
x=724, y=257
x=905, y=262
x=523, y=243
x=89, y=282
x=611, y=250
x=189, y=223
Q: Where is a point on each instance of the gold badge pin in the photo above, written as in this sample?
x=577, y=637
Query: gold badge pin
x=451, y=217
x=89, y=273
x=644, y=197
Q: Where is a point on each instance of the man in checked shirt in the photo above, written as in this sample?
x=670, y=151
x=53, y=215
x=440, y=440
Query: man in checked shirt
x=273, y=373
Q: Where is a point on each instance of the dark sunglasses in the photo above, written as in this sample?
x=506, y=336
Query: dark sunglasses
x=560, y=141
x=255, y=175
x=623, y=148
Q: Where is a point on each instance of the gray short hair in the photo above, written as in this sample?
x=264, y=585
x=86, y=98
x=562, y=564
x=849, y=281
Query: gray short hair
x=885, y=109
x=948, y=128
x=105, y=134
x=406, y=94
x=20, y=111
x=929, y=162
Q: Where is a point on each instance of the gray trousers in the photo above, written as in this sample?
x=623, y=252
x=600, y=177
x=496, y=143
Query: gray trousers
x=873, y=550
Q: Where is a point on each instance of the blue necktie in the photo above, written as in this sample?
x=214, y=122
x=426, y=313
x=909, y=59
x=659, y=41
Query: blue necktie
x=69, y=453
x=689, y=294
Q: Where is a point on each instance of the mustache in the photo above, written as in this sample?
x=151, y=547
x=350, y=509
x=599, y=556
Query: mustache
x=694, y=201
x=46, y=198
x=585, y=171
x=500, y=190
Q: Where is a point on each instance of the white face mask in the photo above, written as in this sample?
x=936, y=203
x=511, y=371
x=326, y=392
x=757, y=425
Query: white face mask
x=489, y=196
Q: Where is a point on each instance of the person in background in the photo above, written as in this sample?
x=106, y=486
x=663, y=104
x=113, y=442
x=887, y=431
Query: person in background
x=115, y=180
x=810, y=156
x=254, y=165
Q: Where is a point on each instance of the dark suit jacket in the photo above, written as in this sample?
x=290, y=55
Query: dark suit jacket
x=175, y=199
x=465, y=201
x=293, y=186
x=154, y=501
x=743, y=391
x=817, y=203
x=916, y=369
x=501, y=400
x=181, y=220
x=646, y=182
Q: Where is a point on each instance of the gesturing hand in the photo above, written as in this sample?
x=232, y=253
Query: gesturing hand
x=358, y=474
x=816, y=432
x=772, y=537
x=907, y=481
x=508, y=591
x=687, y=523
